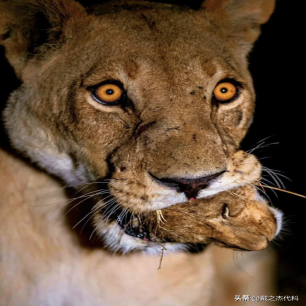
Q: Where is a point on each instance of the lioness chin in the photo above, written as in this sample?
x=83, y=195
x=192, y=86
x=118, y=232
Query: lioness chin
x=141, y=107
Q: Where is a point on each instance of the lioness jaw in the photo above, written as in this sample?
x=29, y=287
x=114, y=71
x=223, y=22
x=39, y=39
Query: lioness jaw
x=233, y=219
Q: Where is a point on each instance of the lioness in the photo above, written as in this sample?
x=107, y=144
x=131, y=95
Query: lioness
x=141, y=107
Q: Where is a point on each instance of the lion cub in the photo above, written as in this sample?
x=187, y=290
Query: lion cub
x=139, y=107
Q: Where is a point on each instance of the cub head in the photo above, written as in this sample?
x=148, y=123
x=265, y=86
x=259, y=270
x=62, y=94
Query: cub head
x=151, y=99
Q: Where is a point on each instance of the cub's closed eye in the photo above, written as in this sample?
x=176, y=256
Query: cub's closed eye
x=109, y=93
x=226, y=92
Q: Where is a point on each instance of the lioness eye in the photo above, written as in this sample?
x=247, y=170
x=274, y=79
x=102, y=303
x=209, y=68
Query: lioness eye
x=225, y=92
x=108, y=94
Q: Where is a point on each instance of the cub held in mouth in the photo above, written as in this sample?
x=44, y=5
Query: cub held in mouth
x=149, y=101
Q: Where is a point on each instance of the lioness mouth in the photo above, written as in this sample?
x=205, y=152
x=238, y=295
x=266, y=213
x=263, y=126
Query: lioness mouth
x=241, y=222
x=132, y=226
x=129, y=222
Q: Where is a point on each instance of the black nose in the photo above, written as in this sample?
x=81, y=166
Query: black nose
x=190, y=187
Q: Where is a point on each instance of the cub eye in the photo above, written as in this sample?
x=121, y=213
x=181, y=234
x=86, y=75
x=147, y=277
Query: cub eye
x=225, y=92
x=109, y=94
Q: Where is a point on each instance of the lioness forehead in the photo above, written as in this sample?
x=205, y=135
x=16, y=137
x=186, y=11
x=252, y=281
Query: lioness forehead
x=159, y=28
x=141, y=39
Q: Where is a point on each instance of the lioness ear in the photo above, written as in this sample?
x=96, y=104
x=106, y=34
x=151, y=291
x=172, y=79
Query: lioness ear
x=31, y=27
x=241, y=19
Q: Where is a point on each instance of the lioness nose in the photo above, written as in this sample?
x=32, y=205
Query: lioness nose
x=190, y=187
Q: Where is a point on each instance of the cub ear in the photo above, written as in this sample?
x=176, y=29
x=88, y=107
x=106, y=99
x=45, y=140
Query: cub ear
x=31, y=27
x=241, y=19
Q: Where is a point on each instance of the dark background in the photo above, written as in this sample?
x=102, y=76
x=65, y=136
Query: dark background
x=277, y=66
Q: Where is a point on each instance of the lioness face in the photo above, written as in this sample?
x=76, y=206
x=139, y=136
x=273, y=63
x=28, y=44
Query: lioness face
x=151, y=98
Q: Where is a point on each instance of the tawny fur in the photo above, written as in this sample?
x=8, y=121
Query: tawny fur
x=169, y=60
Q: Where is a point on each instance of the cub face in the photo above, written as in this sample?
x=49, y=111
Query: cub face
x=152, y=98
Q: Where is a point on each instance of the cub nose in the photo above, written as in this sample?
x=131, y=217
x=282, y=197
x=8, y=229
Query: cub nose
x=190, y=187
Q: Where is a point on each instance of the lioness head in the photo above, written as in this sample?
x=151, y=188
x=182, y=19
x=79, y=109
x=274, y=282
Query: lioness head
x=153, y=99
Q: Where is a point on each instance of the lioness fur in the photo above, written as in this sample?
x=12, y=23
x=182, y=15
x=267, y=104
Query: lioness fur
x=169, y=128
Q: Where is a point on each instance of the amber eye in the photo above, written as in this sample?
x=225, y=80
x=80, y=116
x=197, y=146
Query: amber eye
x=225, y=92
x=109, y=94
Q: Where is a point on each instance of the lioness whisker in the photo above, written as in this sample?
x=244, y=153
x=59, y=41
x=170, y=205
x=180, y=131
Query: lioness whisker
x=86, y=216
x=261, y=189
x=275, y=177
x=261, y=145
x=94, y=192
x=95, y=229
x=65, y=204
x=82, y=202
x=123, y=213
x=69, y=186
x=87, y=196
x=93, y=213
x=125, y=210
x=106, y=220
x=268, y=181
x=86, y=185
x=113, y=210
x=279, y=173
x=262, y=158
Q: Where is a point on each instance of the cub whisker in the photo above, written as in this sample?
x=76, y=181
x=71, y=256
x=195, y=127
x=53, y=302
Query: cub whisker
x=184, y=213
x=235, y=195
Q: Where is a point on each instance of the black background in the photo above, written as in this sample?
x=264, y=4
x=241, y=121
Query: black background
x=278, y=67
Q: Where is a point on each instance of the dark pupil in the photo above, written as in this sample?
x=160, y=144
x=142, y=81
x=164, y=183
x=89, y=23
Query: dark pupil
x=224, y=90
x=109, y=92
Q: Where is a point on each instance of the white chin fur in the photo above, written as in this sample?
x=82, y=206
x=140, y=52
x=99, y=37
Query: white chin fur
x=115, y=238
